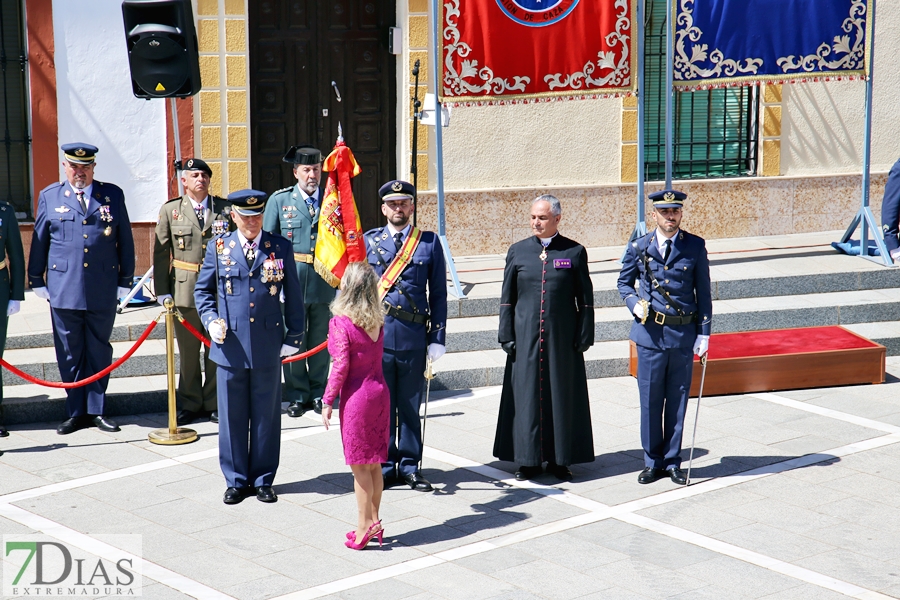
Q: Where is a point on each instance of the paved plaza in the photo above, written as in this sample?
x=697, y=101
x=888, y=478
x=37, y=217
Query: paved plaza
x=794, y=496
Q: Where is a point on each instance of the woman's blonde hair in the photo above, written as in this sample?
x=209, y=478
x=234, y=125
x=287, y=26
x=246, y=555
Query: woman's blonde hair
x=359, y=297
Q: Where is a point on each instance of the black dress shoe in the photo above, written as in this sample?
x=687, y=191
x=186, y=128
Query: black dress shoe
x=317, y=406
x=295, y=409
x=561, y=472
x=186, y=417
x=525, y=472
x=651, y=474
x=265, y=493
x=3, y=431
x=214, y=416
x=678, y=476
x=233, y=495
x=70, y=425
x=104, y=424
x=416, y=482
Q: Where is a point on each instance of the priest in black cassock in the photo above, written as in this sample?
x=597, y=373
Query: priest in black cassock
x=546, y=325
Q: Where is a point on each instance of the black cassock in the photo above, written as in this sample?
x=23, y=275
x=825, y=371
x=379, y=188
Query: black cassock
x=546, y=307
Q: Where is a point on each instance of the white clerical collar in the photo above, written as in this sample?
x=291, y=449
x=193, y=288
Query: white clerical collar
x=244, y=240
x=661, y=239
x=546, y=241
x=394, y=231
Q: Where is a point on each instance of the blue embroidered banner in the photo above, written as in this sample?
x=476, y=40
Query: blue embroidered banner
x=742, y=42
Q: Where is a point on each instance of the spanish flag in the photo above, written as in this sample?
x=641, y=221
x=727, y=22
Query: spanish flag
x=339, y=242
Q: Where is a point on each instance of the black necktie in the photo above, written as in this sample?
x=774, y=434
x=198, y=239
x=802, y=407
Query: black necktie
x=398, y=240
x=667, y=249
x=81, y=201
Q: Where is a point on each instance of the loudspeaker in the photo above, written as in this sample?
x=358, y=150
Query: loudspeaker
x=162, y=48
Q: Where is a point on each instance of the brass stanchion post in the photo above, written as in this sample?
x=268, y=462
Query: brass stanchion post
x=173, y=435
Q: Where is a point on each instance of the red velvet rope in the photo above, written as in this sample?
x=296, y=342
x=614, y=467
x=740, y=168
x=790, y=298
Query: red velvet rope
x=193, y=331
x=92, y=378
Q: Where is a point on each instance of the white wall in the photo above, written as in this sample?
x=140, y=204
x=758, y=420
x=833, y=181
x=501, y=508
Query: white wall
x=96, y=104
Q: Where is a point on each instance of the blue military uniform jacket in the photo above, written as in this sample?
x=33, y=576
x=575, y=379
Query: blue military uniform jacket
x=890, y=209
x=685, y=276
x=230, y=289
x=409, y=293
x=287, y=214
x=85, y=256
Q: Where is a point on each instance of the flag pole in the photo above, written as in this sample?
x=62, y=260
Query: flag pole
x=670, y=91
x=640, y=226
x=864, y=218
x=439, y=147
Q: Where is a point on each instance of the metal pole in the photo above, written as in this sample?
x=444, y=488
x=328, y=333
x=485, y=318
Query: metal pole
x=434, y=24
x=177, y=146
x=640, y=225
x=670, y=93
x=174, y=434
x=414, y=160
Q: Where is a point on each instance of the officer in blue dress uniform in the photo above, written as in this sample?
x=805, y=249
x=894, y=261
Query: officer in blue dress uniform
x=672, y=308
x=890, y=212
x=414, y=325
x=294, y=213
x=237, y=296
x=82, y=241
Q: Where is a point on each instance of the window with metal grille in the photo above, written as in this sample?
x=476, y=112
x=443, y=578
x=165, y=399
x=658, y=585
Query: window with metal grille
x=15, y=182
x=715, y=130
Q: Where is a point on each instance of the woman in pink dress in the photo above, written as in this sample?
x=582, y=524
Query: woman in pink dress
x=355, y=342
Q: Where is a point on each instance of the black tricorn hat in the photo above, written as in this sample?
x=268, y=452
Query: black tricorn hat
x=303, y=155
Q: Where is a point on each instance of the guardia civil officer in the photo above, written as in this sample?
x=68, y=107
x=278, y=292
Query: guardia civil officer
x=185, y=226
x=672, y=309
x=890, y=212
x=237, y=295
x=82, y=241
x=413, y=276
x=294, y=213
x=12, y=279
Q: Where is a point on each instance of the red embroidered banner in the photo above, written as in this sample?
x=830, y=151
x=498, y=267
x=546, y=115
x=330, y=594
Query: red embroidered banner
x=506, y=51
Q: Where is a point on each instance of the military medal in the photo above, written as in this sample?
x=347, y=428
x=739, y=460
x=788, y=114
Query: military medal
x=176, y=215
x=273, y=290
x=105, y=215
x=181, y=243
x=220, y=246
x=226, y=251
x=62, y=209
x=267, y=244
x=219, y=227
x=231, y=244
x=68, y=193
x=289, y=234
x=228, y=288
x=108, y=231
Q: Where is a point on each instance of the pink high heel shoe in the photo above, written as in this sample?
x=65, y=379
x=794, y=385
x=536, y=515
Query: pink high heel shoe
x=375, y=530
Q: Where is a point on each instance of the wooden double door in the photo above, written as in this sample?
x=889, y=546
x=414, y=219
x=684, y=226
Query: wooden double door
x=313, y=65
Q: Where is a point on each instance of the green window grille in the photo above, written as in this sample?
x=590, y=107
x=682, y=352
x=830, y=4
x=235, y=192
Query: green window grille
x=15, y=141
x=715, y=130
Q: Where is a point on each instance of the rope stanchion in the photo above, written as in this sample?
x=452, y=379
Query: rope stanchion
x=87, y=380
x=193, y=331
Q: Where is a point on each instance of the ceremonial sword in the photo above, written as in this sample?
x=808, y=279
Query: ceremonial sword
x=696, y=416
x=429, y=375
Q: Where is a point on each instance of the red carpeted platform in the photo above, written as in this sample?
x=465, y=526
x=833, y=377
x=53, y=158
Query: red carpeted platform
x=785, y=359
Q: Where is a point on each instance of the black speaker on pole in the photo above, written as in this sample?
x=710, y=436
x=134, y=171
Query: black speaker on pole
x=162, y=48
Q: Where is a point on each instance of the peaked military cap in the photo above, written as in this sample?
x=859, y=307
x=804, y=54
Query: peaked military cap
x=668, y=199
x=79, y=153
x=397, y=190
x=248, y=203
x=197, y=164
x=303, y=155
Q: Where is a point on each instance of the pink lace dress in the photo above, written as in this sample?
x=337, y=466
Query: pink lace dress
x=356, y=377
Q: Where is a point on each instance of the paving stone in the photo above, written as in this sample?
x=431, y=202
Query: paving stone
x=455, y=582
x=633, y=575
x=384, y=590
x=551, y=580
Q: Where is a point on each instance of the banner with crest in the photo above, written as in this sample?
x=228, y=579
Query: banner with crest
x=510, y=51
x=744, y=42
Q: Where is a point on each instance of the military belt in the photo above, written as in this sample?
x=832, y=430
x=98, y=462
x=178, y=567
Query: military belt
x=304, y=258
x=663, y=319
x=405, y=315
x=186, y=266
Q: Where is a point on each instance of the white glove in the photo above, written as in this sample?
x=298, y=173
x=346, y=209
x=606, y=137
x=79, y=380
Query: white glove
x=13, y=307
x=162, y=299
x=288, y=350
x=122, y=292
x=638, y=310
x=435, y=351
x=281, y=296
x=895, y=254
x=217, y=331
x=42, y=292
x=701, y=345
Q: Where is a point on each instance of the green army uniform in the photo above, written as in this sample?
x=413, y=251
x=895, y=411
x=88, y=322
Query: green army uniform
x=12, y=277
x=288, y=214
x=177, y=256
